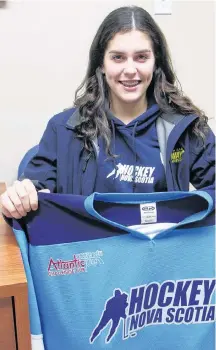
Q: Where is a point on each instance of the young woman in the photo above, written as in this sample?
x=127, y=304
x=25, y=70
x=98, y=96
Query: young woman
x=131, y=128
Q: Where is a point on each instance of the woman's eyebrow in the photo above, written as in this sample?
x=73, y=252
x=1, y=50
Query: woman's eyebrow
x=123, y=52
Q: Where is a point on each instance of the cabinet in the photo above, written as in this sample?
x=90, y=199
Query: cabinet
x=14, y=313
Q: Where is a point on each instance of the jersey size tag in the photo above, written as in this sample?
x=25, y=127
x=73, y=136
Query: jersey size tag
x=148, y=213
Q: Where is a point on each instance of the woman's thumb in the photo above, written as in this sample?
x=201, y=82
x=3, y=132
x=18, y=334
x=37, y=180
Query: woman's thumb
x=45, y=190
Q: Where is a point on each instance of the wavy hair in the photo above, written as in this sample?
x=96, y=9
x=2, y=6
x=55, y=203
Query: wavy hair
x=92, y=95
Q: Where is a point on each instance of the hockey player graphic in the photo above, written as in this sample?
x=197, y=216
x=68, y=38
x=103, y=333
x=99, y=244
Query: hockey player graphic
x=114, y=311
x=117, y=171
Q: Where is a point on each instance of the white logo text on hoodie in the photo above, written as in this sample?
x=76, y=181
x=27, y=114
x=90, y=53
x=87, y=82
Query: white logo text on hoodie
x=125, y=172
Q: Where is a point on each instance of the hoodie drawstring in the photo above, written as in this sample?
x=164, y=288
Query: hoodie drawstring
x=113, y=150
x=135, y=156
x=134, y=150
x=113, y=135
x=86, y=162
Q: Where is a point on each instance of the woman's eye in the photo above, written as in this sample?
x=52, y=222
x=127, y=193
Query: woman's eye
x=117, y=58
x=120, y=58
x=142, y=58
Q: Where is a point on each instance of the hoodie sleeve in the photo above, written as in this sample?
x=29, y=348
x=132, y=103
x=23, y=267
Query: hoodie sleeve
x=42, y=168
x=202, y=170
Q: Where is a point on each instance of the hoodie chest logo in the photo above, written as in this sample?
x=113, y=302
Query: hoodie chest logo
x=140, y=174
x=177, y=154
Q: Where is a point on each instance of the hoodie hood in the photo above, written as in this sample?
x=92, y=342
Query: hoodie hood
x=141, y=122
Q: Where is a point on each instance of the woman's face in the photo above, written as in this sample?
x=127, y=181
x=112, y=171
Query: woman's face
x=128, y=66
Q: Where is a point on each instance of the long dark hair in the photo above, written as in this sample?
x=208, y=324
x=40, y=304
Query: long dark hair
x=92, y=95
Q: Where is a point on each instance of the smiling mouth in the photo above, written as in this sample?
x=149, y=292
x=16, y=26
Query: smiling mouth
x=130, y=83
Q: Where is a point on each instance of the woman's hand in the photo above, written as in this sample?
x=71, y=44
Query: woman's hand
x=19, y=199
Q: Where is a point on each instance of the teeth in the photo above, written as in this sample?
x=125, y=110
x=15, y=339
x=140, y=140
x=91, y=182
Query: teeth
x=130, y=84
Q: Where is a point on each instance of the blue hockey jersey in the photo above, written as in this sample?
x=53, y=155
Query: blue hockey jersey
x=120, y=271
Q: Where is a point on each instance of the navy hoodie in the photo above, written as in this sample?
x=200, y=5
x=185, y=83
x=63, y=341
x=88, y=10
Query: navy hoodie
x=64, y=166
x=138, y=165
